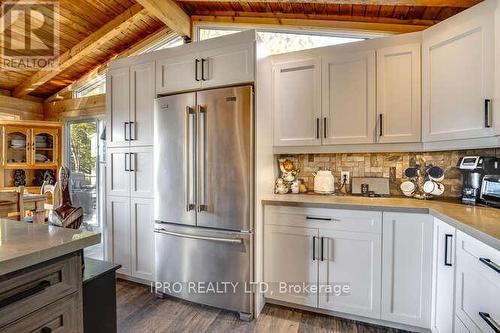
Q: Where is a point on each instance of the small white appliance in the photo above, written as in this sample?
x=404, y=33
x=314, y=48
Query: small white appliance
x=324, y=182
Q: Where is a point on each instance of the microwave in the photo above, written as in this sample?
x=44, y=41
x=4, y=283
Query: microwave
x=490, y=190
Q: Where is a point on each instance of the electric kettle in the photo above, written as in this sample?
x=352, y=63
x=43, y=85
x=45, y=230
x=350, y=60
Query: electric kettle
x=324, y=182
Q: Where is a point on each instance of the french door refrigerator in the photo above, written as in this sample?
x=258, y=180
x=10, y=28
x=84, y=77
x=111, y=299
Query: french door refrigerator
x=203, y=171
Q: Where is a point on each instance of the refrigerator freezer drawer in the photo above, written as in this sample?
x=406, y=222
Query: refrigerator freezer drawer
x=201, y=259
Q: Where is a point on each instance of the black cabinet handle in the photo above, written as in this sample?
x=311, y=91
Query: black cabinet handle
x=41, y=286
x=46, y=330
x=203, y=60
x=381, y=120
x=196, y=62
x=487, y=106
x=127, y=158
x=314, y=247
x=131, y=157
x=125, y=130
x=446, y=238
x=130, y=131
x=319, y=218
x=491, y=323
x=324, y=127
x=490, y=264
x=317, y=128
x=322, y=239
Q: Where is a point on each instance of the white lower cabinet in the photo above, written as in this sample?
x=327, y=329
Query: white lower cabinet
x=129, y=235
x=478, y=285
x=407, y=268
x=443, y=278
x=118, y=232
x=350, y=259
x=459, y=326
x=324, y=248
x=291, y=259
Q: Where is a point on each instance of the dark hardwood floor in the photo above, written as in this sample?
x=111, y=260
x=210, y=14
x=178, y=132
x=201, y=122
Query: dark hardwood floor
x=140, y=311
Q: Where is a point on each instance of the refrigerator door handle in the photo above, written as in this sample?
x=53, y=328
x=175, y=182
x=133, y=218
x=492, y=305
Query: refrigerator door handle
x=191, y=157
x=202, y=205
x=215, y=239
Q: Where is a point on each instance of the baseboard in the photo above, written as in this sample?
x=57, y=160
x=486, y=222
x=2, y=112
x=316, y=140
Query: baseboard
x=133, y=279
x=378, y=322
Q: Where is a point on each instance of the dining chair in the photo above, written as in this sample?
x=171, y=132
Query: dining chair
x=13, y=197
x=66, y=215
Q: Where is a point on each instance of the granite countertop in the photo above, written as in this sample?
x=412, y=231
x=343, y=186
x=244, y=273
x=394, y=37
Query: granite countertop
x=25, y=244
x=480, y=222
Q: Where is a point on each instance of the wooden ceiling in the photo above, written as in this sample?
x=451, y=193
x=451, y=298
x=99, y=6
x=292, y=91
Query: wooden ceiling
x=93, y=32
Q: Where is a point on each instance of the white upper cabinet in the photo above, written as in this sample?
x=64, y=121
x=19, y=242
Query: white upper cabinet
x=142, y=95
x=228, y=65
x=458, y=76
x=178, y=73
x=362, y=272
x=407, y=268
x=348, y=97
x=398, y=94
x=297, y=102
x=118, y=105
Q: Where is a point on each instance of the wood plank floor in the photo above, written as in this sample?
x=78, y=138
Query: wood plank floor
x=138, y=310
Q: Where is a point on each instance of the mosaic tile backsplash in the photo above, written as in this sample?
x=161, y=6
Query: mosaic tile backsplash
x=389, y=165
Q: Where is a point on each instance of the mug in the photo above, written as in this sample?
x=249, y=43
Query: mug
x=408, y=188
x=434, y=188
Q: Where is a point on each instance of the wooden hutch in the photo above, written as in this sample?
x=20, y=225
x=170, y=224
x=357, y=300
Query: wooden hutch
x=32, y=146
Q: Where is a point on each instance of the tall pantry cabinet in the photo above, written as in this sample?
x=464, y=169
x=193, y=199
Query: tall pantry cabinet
x=129, y=169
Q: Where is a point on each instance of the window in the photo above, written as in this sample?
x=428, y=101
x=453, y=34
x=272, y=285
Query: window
x=285, y=41
x=98, y=85
x=94, y=87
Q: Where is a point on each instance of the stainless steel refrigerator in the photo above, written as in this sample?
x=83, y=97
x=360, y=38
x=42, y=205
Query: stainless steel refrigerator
x=203, y=171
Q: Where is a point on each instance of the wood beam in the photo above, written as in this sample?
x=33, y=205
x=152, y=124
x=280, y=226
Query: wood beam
x=161, y=34
x=307, y=22
x=82, y=49
x=432, y=3
x=169, y=12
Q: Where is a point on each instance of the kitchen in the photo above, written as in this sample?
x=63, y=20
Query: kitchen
x=349, y=183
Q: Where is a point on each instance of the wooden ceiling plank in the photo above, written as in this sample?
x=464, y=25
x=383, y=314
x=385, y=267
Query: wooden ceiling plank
x=438, y=3
x=162, y=33
x=82, y=49
x=170, y=13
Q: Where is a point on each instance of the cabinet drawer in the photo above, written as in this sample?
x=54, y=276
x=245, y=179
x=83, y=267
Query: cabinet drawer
x=478, y=284
x=335, y=219
x=32, y=289
x=63, y=316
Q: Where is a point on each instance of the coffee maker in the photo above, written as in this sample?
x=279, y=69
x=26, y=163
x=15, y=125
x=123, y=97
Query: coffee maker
x=474, y=168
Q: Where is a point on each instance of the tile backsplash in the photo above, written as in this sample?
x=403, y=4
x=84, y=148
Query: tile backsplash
x=389, y=165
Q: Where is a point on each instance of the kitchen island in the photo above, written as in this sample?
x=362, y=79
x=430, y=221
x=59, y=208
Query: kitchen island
x=41, y=277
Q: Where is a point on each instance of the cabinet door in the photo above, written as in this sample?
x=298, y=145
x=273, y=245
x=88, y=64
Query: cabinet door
x=118, y=232
x=17, y=146
x=458, y=69
x=348, y=98
x=297, y=103
x=443, y=278
x=142, y=95
x=228, y=65
x=142, y=228
x=361, y=274
x=290, y=258
x=118, y=172
x=44, y=145
x=398, y=94
x=407, y=268
x=141, y=172
x=180, y=73
x=118, y=107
